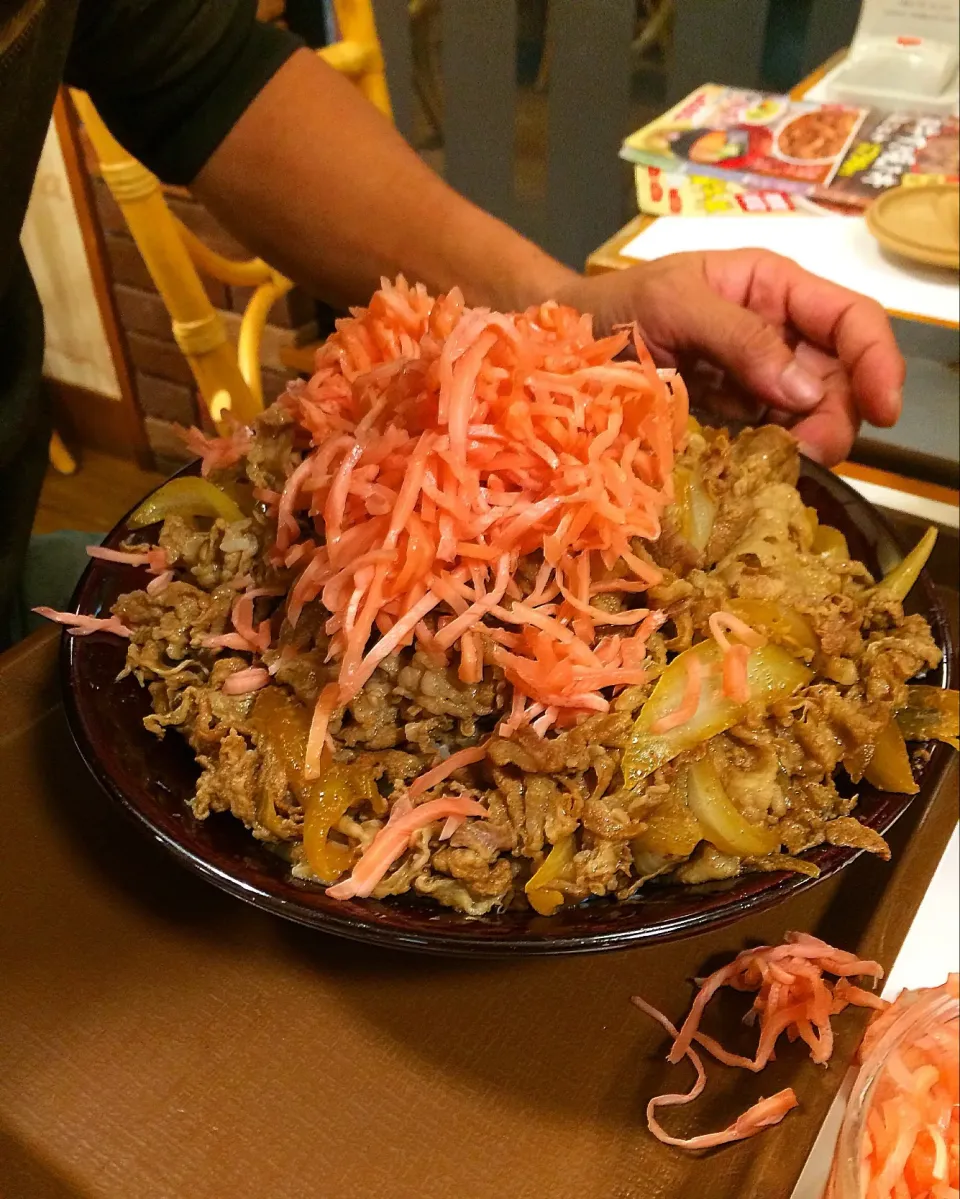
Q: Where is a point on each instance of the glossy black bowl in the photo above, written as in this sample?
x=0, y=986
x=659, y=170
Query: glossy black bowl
x=152, y=779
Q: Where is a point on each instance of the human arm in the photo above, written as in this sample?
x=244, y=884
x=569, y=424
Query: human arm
x=314, y=179
x=289, y=155
x=301, y=193
x=320, y=184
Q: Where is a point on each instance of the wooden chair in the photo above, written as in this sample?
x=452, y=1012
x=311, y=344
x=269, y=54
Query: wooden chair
x=62, y=461
x=228, y=378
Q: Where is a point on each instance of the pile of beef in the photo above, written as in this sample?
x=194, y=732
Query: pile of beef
x=779, y=766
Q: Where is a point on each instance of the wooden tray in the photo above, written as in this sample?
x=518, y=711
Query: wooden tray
x=161, y=1039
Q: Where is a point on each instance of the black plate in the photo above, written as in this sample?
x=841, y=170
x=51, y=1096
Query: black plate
x=152, y=779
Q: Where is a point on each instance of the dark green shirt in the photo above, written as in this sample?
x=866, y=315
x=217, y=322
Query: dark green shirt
x=170, y=78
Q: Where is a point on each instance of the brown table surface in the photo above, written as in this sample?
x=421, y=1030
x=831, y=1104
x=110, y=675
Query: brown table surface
x=160, y=1039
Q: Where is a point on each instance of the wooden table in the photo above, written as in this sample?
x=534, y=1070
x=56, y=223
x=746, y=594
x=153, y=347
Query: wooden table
x=160, y=1039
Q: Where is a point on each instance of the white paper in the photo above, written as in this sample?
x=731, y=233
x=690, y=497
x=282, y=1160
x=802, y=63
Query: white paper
x=932, y=511
x=932, y=948
x=839, y=248
x=76, y=346
x=930, y=952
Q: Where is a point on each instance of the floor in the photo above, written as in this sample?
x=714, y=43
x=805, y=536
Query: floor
x=95, y=497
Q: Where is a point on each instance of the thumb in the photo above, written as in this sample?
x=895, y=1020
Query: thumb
x=751, y=349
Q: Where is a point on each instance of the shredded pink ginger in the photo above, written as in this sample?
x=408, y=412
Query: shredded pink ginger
x=689, y=701
x=440, y=444
x=82, y=626
x=217, y=453
x=793, y=997
x=911, y=1144
x=242, y=682
x=430, y=778
x=155, y=558
x=735, y=684
x=160, y=582
x=394, y=838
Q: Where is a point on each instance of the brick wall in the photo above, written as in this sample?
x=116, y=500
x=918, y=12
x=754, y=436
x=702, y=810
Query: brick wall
x=165, y=389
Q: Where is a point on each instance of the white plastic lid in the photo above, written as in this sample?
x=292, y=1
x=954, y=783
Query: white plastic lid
x=915, y=66
x=928, y=20
x=903, y=54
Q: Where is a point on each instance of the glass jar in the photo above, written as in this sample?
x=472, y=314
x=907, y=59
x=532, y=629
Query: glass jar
x=930, y=1010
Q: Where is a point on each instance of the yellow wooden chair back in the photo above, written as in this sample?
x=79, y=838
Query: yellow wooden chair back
x=227, y=378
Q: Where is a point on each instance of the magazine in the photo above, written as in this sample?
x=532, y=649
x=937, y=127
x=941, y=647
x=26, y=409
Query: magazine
x=896, y=148
x=669, y=193
x=749, y=137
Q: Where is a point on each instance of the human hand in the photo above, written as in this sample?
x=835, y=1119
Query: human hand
x=822, y=358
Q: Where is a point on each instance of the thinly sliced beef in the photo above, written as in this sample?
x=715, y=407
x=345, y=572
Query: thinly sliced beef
x=565, y=788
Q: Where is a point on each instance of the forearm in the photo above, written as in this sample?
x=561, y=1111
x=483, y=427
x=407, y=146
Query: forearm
x=314, y=180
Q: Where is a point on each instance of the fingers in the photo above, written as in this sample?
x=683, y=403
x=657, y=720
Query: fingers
x=751, y=348
x=745, y=310
x=816, y=361
x=845, y=324
x=828, y=434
